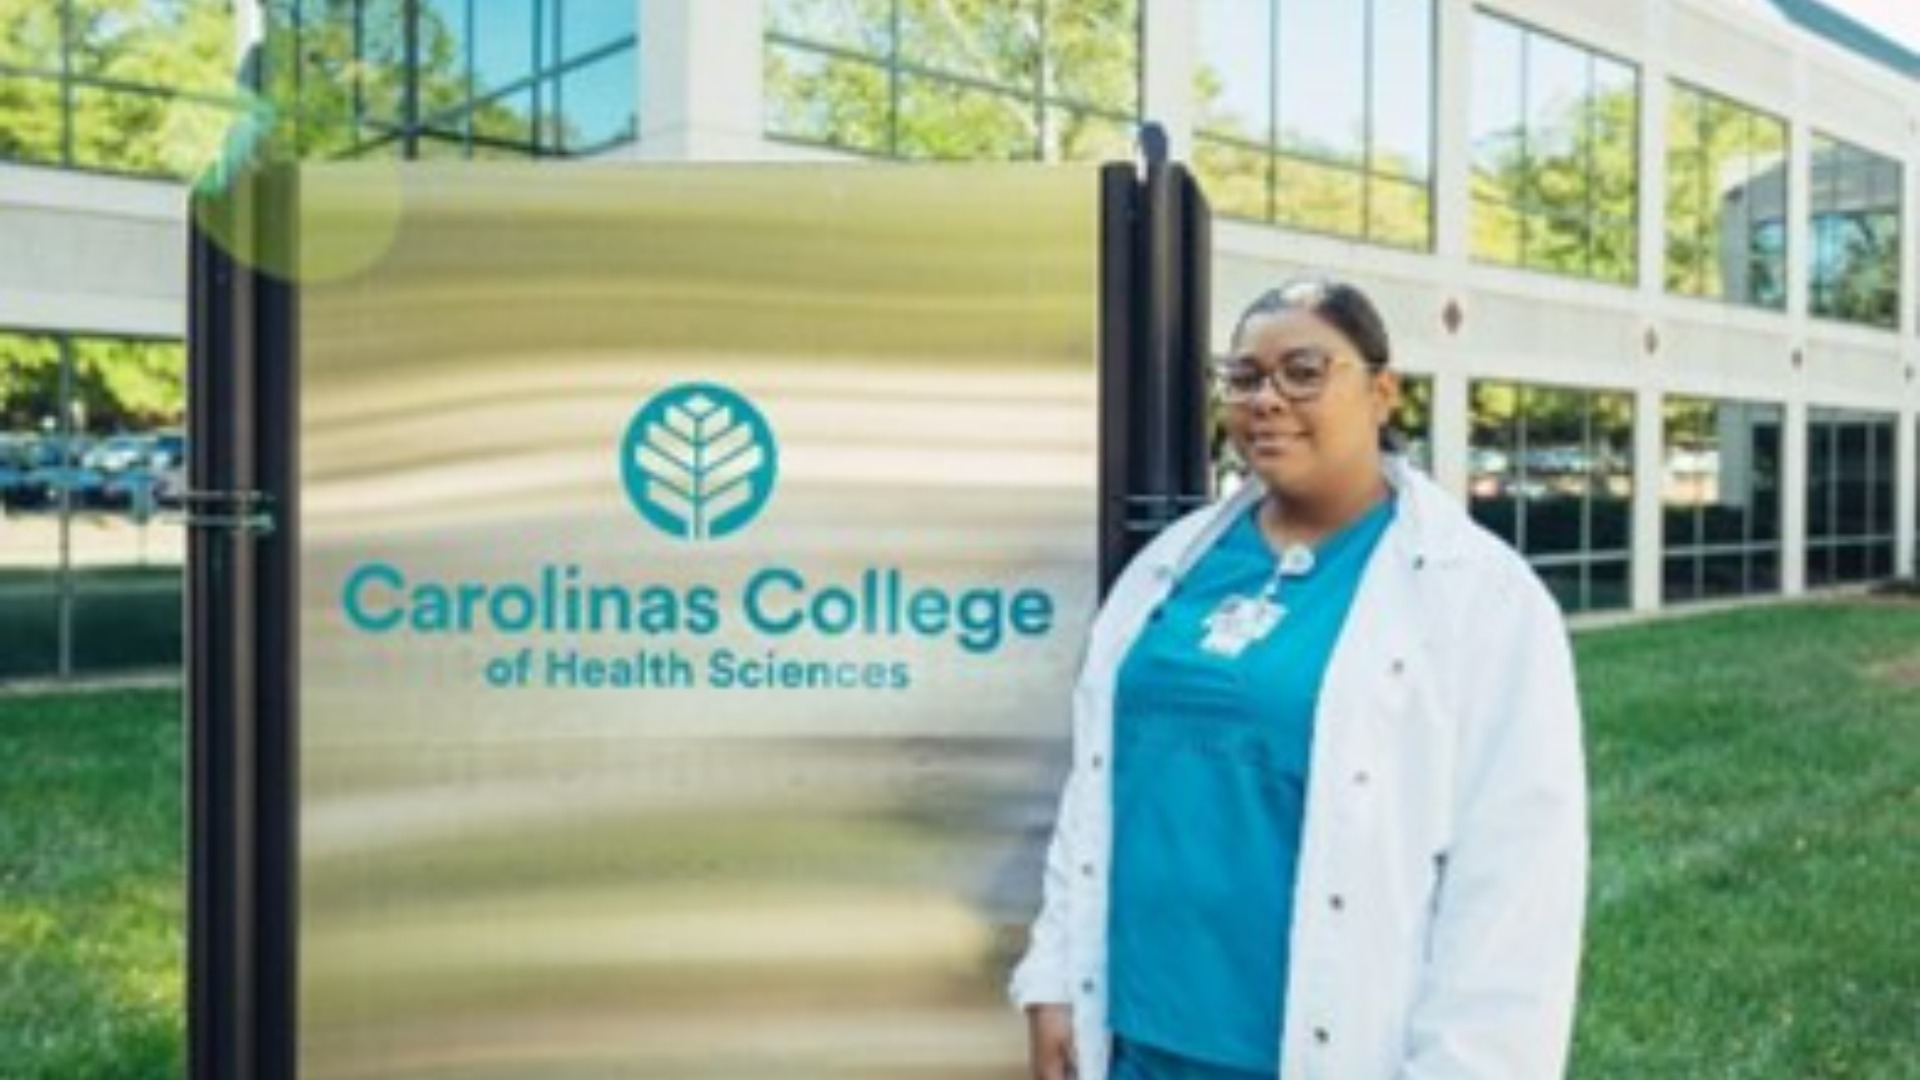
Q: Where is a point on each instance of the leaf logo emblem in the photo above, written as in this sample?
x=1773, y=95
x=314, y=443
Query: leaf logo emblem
x=699, y=461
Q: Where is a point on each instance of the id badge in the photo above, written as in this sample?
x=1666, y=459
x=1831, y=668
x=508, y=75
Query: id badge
x=1238, y=622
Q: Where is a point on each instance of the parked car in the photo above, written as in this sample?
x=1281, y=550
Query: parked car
x=154, y=480
x=43, y=488
x=118, y=453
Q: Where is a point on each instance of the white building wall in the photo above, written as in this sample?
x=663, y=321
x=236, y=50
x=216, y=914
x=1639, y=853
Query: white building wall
x=96, y=254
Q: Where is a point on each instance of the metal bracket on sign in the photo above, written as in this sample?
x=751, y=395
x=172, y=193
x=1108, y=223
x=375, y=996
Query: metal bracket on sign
x=234, y=511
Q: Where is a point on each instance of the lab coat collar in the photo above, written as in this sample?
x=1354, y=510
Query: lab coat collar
x=1429, y=527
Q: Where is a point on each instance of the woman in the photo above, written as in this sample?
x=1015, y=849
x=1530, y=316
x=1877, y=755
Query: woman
x=1326, y=816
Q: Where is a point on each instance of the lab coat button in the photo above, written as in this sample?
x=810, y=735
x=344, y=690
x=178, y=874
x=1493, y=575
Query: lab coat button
x=1360, y=778
x=1336, y=902
x=1086, y=869
x=1086, y=986
x=1097, y=761
x=1399, y=666
x=1322, y=1036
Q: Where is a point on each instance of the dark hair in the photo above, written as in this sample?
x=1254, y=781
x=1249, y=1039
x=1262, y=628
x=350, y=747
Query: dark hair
x=1347, y=310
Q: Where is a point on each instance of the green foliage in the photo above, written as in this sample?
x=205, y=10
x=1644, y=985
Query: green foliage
x=340, y=86
x=174, y=58
x=129, y=385
x=1562, y=196
x=1725, y=184
x=977, y=80
x=118, y=385
x=1308, y=181
x=29, y=381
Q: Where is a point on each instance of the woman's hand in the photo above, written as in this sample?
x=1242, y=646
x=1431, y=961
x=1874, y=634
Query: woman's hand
x=1050, y=1053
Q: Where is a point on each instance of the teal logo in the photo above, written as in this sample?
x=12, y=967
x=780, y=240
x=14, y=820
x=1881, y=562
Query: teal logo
x=699, y=461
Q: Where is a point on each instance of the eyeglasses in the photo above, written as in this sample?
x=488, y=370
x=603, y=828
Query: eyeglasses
x=1301, y=375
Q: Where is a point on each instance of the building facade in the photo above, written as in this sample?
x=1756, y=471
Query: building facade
x=1652, y=266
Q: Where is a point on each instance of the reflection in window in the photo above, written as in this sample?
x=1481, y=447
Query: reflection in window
x=138, y=88
x=1850, y=478
x=1720, y=495
x=1726, y=200
x=1854, y=203
x=1555, y=154
x=1550, y=470
x=478, y=79
x=91, y=450
x=1046, y=80
x=30, y=444
x=127, y=401
x=1413, y=420
x=1318, y=114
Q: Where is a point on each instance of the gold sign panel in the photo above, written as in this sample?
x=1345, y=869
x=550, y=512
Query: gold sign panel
x=694, y=563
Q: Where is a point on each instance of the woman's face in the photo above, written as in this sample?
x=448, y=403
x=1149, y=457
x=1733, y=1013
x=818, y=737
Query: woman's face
x=1306, y=447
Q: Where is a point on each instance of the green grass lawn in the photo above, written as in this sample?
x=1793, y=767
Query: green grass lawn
x=1756, y=859
x=92, y=879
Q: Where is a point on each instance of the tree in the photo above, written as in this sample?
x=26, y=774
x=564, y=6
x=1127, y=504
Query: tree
x=1562, y=196
x=1303, y=181
x=960, y=80
x=174, y=58
x=341, y=85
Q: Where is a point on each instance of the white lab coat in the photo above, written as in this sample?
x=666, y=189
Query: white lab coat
x=1442, y=871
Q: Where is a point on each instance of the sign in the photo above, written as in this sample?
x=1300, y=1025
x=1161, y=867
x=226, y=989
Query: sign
x=694, y=562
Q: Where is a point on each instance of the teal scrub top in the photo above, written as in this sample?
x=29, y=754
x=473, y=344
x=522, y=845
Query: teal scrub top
x=1209, y=789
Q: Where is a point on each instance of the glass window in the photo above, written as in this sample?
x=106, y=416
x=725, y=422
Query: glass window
x=996, y=43
x=128, y=402
x=503, y=38
x=180, y=45
x=1855, y=209
x=596, y=105
x=143, y=89
x=1726, y=200
x=31, y=38
x=32, y=120
x=1552, y=484
x=1092, y=55
x=1551, y=471
x=1850, y=479
x=1493, y=443
x=1720, y=493
x=91, y=451
x=1012, y=80
x=1413, y=420
x=955, y=122
x=1400, y=122
x=1233, y=80
x=30, y=390
x=1075, y=135
x=1318, y=114
x=454, y=78
x=861, y=26
x=1555, y=154
x=588, y=27
x=829, y=99
x=1322, y=103
x=148, y=134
